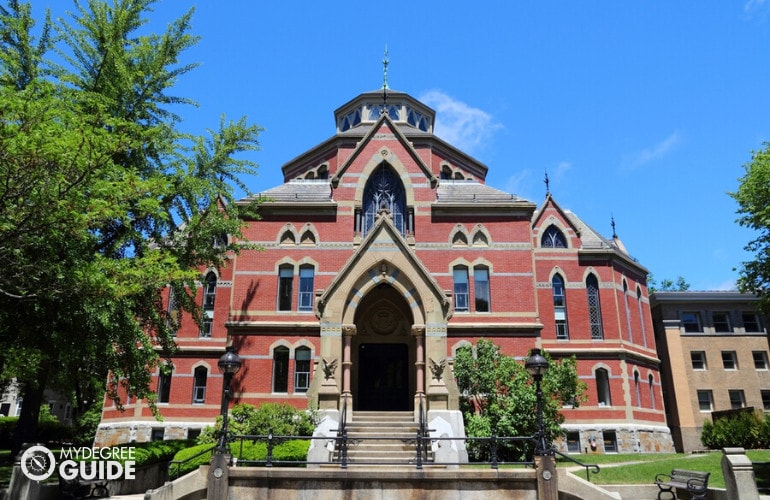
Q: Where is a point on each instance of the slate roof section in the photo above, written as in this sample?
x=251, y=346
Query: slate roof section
x=300, y=191
x=472, y=192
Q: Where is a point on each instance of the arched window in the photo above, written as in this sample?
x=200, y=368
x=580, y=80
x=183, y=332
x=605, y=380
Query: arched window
x=637, y=390
x=651, y=381
x=560, y=307
x=641, y=314
x=459, y=239
x=306, y=276
x=460, y=275
x=164, y=383
x=594, y=307
x=281, y=369
x=301, y=369
x=384, y=191
x=285, y=286
x=481, y=288
x=209, y=297
x=603, y=387
x=199, y=384
x=628, y=311
x=553, y=238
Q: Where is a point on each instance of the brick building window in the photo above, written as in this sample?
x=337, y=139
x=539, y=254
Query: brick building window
x=765, y=400
x=603, y=387
x=481, y=288
x=651, y=381
x=301, y=369
x=560, y=307
x=281, y=369
x=199, y=384
x=285, y=285
x=553, y=238
x=729, y=360
x=691, y=321
x=164, y=384
x=698, y=360
x=641, y=315
x=751, y=322
x=594, y=307
x=705, y=400
x=306, y=276
x=760, y=359
x=737, y=399
x=460, y=276
x=722, y=322
x=610, y=442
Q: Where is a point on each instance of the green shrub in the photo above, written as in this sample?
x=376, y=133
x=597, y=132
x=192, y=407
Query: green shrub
x=745, y=429
x=279, y=418
x=86, y=425
x=49, y=430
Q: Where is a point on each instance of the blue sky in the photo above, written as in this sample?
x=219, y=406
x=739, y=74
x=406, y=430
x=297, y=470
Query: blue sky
x=641, y=111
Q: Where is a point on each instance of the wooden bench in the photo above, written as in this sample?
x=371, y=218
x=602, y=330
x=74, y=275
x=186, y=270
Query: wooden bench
x=694, y=482
x=83, y=488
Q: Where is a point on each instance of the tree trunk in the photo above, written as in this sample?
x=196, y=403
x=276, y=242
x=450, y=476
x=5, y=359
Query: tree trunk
x=32, y=394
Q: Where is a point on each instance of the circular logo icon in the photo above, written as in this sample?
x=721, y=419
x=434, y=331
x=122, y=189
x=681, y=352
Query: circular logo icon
x=37, y=463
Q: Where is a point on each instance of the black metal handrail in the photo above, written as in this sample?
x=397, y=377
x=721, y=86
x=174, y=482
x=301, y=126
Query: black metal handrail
x=587, y=467
x=178, y=463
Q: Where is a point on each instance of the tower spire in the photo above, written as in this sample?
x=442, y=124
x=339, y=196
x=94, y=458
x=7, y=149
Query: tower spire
x=385, y=63
x=547, y=184
x=612, y=223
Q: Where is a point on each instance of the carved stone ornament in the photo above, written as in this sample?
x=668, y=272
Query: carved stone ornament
x=437, y=369
x=329, y=368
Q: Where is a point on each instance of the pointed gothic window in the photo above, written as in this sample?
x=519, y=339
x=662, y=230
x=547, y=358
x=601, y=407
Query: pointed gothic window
x=384, y=192
x=594, y=307
x=560, y=307
x=553, y=238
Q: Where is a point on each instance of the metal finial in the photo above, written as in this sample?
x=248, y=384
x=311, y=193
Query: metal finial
x=385, y=63
x=612, y=223
x=547, y=184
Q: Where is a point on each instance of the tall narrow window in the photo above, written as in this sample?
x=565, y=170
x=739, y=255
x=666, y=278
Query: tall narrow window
x=603, y=387
x=553, y=238
x=594, y=307
x=173, y=318
x=651, y=381
x=199, y=384
x=481, y=288
x=301, y=369
x=285, y=285
x=281, y=369
x=460, y=274
x=164, y=384
x=560, y=307
x=384, y=192
x=628, y=311
x=641, y=315
x=637, y=390
x=209, y=296
x=306, y=274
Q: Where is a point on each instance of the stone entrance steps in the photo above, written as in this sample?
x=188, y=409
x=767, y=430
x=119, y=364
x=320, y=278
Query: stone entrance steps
x=382, y=437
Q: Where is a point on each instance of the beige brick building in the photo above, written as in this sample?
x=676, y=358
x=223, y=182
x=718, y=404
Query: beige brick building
x=713, y=348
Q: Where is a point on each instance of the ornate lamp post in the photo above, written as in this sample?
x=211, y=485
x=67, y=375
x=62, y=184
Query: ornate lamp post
x=219, y=470
x=537, y=365
x=228, y=364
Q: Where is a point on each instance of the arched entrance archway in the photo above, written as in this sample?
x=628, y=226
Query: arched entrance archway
x=383, y=353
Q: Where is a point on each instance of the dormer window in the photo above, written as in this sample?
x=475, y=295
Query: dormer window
x=350, y=120
x=553, y=238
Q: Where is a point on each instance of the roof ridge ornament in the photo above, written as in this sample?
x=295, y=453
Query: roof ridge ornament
x=385, y=62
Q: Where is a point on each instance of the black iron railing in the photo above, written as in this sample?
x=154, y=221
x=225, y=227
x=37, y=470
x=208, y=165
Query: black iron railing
x=588, y=467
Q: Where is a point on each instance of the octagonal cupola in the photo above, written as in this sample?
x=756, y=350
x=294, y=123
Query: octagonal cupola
x=368, y=107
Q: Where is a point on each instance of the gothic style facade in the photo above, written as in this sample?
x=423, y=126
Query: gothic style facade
x=383, y=252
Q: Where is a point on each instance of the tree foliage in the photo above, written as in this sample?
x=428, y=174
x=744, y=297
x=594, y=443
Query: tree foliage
x=753, y=197
x=103, y=200
x=667, y=285
x=499, y=397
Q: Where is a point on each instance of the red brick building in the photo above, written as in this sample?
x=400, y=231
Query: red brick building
x=384, y=251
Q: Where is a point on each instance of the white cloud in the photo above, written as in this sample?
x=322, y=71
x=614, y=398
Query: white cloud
x=461, y=125
x=529, y=184
x=752, y=5
x=655, y=152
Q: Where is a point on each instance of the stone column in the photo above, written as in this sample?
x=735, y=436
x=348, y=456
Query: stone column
x=739, y=474
x=347, y=362
x=418, y=331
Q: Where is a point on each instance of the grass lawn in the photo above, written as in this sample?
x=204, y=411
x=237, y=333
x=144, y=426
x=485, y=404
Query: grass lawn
x=641, y=469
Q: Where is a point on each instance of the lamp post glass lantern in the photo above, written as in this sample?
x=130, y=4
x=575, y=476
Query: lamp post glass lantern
x=537, y=365
x=228, y=364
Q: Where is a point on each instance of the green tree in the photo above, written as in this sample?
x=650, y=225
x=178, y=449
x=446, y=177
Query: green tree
x=753, y=197
x=104, y=201
x=667, y=285
x=500, y=398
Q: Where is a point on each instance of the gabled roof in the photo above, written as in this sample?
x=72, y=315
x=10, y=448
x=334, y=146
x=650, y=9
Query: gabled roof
x=380, y=244
x=384, y=120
